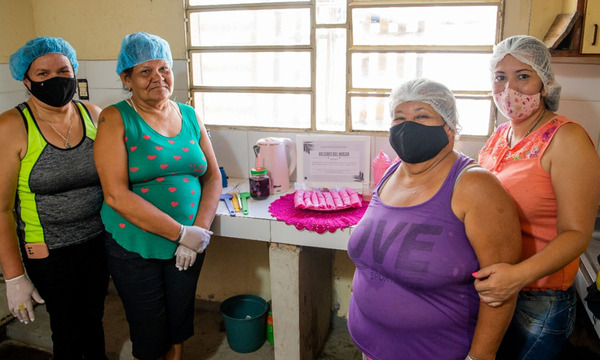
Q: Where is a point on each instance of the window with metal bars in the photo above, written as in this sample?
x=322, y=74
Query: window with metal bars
x=329, y=65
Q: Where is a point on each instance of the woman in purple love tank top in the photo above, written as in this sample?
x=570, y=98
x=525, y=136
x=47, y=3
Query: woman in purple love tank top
x=427, y=229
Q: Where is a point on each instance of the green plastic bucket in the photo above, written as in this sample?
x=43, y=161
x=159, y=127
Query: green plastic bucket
x=245, y=321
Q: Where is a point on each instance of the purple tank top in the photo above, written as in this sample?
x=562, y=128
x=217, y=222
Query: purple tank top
x=413, y=294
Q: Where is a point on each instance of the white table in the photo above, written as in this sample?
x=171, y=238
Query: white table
x=301, y=266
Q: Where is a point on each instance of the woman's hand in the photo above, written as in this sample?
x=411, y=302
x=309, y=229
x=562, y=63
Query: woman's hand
x=195, y=238
x=19, y=292
x=184, y=257
x=497, y=283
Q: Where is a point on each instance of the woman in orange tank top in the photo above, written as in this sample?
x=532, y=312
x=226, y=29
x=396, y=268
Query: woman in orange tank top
x=551, y=168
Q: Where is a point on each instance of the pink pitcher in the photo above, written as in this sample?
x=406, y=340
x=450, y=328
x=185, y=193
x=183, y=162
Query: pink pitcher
x=278, y=155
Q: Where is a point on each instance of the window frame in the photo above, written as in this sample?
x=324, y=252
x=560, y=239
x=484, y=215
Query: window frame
x=351, y=49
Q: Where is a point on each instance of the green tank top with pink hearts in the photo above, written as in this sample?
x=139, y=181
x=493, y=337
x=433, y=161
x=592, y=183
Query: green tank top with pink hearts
x=164, y=171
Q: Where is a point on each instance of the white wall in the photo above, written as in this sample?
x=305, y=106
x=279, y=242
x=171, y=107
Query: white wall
x=580, y=97
x=105, y=87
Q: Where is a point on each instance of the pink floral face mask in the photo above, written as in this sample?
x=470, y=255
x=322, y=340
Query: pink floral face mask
x=515, y=105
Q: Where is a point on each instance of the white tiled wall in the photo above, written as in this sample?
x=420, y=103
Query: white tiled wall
x=580, y=101
x=103, y=82
x=580, y=97
x=11, y=92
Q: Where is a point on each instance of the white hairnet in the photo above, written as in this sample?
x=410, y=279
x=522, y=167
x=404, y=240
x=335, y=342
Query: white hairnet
x=429, y=92
x=534, y=53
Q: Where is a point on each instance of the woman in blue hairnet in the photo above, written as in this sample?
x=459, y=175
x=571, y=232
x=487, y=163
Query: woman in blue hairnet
x=550, y=167
x=162, y=186
x=50, y=198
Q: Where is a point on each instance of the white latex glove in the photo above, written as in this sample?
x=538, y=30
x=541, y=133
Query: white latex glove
x=195, y=238
x=19, y=292
x=184, y=257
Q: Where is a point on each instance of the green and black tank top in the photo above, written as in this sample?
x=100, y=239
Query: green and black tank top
x=164, y=171
x=58, y=192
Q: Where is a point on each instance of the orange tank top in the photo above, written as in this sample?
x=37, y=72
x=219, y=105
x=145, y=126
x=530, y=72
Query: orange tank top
x=520, y=171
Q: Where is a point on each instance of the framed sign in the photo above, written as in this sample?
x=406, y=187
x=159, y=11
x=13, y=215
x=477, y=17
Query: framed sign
x=333, y=160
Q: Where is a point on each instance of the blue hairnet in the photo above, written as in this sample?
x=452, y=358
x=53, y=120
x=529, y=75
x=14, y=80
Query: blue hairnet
x=20, y=61
x=533, y=52
x=429, y=92
x=139, y=47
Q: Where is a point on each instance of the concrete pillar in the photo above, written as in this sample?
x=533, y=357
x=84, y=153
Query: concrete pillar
x=301, y=290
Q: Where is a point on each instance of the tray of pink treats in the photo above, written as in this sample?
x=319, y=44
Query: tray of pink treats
x=327, y=199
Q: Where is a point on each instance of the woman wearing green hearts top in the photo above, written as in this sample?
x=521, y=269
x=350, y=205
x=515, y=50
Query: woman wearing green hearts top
x=162, y=186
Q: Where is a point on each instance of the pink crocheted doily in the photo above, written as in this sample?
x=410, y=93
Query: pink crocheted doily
x=283, y=210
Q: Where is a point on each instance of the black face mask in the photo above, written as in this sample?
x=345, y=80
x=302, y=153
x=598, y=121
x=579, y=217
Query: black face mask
x=57, y=91
x=416, y=143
